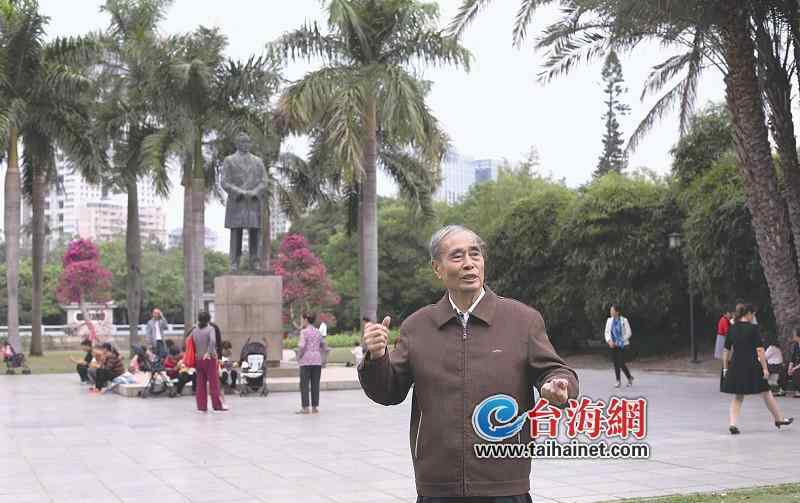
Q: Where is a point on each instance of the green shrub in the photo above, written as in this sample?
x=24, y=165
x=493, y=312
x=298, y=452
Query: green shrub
x=339, y=341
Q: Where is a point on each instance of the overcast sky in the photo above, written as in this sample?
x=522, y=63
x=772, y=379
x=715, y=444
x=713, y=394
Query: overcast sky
x=497, y=110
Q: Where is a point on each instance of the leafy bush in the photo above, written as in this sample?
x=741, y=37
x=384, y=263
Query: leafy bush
x=340, y=340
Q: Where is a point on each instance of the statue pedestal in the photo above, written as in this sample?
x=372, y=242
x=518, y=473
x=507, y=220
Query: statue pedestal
x=250, y=307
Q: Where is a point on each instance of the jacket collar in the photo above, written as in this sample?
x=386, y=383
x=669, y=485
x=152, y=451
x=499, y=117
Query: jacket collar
x=443, y=310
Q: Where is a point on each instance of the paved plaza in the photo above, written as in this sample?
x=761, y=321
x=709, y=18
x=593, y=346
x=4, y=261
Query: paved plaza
x=59, y=444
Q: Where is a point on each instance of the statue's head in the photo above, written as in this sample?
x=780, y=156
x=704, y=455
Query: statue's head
x=243, y=143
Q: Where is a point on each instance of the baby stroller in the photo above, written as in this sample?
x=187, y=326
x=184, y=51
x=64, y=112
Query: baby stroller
x=14, y=360
x=254, y=374
x=158, y=382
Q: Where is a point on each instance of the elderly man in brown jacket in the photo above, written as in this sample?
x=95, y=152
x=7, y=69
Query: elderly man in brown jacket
x=470, y=345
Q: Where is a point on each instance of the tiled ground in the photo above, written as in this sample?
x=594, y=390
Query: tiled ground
x=58, y=444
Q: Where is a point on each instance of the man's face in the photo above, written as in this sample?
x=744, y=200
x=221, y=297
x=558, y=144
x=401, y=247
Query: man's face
x=156, y=314
x=460, y=263
x=243, y=144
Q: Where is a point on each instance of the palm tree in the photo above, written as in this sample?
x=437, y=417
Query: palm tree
x=127, y=113
x=208, y=96
x=367, y=106
x=718, y=32
x=47, y=92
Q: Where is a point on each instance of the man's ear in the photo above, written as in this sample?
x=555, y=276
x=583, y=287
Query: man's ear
x=436, y=266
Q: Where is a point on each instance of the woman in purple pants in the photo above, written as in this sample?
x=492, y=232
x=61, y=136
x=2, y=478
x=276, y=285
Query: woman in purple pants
x=206, y=364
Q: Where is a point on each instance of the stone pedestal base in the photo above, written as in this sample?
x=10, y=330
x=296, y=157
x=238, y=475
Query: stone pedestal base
x=250, y=307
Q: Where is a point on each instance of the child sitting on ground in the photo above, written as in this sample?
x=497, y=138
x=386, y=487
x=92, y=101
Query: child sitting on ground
x=774, y=358
x=358, y=354
x=228, y=374
x=82, y=365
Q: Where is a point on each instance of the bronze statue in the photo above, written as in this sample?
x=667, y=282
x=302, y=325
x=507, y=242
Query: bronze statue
x=244, y=179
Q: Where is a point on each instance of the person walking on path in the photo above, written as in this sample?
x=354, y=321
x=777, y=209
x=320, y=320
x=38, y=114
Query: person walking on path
x=154, y=333
x=746, y=372
x=310, y=350
x=206, y=364
x=723, y=326
x=618, y=335
x=470, y=346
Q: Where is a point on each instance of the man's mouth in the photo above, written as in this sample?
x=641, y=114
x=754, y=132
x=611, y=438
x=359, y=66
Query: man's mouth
x=469, y=277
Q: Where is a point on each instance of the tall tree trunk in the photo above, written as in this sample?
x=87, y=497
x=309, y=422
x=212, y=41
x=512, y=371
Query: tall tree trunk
x=778, y=90
x=198, y=226
x=133, y=254
x=754, y=154
x=361, y=247
x=368, y=278
x=11, y=224
x=188, y=245
x=37, y=252
x=266, y=233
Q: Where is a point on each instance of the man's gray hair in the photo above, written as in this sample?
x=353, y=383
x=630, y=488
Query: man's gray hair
x=435, y=246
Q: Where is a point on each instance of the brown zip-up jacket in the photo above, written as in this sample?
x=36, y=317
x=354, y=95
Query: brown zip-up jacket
x=504, y=349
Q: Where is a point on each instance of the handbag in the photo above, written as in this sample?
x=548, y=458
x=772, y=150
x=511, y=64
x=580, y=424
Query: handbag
x=190, y=355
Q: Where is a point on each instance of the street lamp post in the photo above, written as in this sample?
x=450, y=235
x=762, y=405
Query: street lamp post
x=675, y=243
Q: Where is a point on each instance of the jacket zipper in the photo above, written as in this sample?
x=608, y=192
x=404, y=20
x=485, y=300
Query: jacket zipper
x=464, y=334
x=416, y=442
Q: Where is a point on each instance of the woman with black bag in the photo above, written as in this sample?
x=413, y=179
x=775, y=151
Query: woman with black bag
x=745, y=372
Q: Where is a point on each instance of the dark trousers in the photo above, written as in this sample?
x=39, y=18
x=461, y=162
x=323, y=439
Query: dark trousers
x=160, y=349
x=184, y=378
x=234, y=376
x=618, y=355
x=207, y=372
x=309, y=377
x=785, y=379
x=522, y=498
x=83, y=372
x=236, y=246
x=103, y=377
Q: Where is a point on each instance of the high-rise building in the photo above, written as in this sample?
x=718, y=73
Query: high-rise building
x=176, y=238
x=459, y=174
x=75, y=208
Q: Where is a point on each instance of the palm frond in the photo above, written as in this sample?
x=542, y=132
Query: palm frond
x=572, y=47
x=413, y=176
x=304, y=101
x=308, y=43
x=345, y=19
x=467, y=13
x=524, y=17
x=430, y=48
x=73, y=51
x=656, y=113
x=157, y=147
x=38, y=158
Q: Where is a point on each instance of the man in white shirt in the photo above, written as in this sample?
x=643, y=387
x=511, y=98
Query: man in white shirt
x=155, y=333
x=323, y=329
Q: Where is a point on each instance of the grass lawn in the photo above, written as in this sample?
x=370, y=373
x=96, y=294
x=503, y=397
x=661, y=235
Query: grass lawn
x=789, y=493
x=53, y=362
x=57, y=362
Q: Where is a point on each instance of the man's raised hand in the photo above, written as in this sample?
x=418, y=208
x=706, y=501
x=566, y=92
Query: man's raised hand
x=555, y=391
x=376, y=337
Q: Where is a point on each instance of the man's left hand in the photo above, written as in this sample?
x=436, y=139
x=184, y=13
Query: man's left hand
x=556, y=391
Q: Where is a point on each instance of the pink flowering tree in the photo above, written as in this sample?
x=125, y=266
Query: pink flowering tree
x=83, y=278
x=306, y=287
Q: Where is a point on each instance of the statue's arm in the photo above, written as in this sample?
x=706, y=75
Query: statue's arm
x=230, y=188
x=261, y=188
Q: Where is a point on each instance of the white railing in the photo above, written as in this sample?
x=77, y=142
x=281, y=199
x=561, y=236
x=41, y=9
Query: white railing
x=62, y=330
